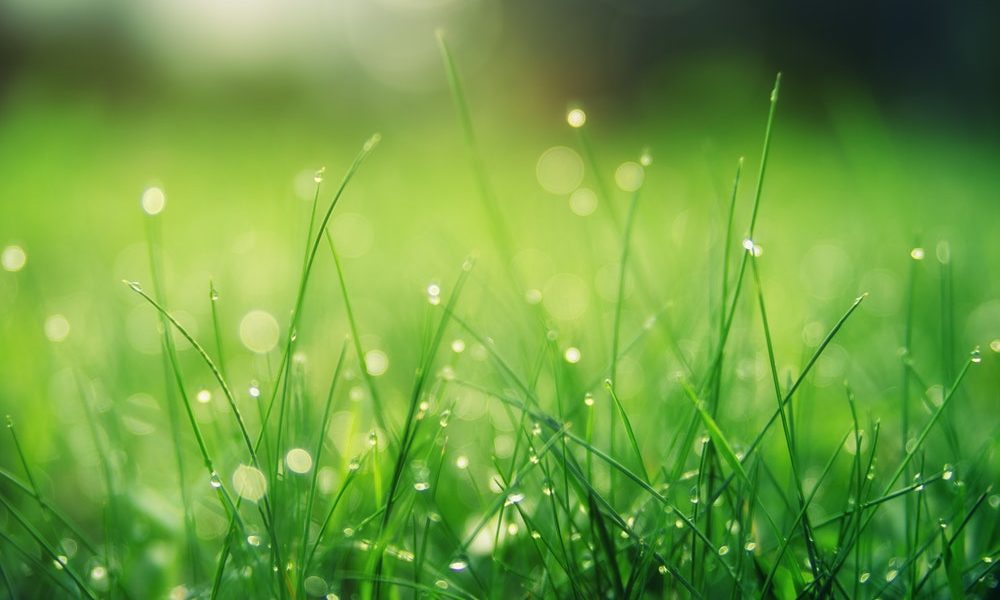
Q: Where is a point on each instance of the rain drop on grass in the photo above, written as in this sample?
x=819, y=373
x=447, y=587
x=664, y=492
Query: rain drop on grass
x=13, y=258
x=299, y=460
x=576, y=118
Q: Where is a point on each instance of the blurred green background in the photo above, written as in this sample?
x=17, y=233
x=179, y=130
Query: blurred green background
x=886, y=140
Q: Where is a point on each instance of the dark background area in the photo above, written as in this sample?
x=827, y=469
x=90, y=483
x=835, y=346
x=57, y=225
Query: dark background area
x=938, y=61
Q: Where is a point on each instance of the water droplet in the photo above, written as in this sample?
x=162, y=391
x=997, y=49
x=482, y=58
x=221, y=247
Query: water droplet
x=547, y=488
x=203, y=396
x=13, y=258
x=629, y=176
x=917, y=253
x=995, y=346
x=750, y=546
x=987, y=559
x=693, y=495
x=434, y=294
x=947, y=472
x=943, y=252
x=441, y=583
x=445, y=416
x=588, y=399
x=536, y=429
x=583, y=202
x=315, y=586
x=153, y=201
x=259, y=331
x=864, y=577
x=891, y=574
x=254, y=391
x=645, y=159
x=975, y=356
x=215, y=481
x=10, y=422
x=514, y=498
x=376, y=362
x=253, y=540
x=533, y=296
x=299, y=460
x=60, y=561
x=372, y=142
x=458, y=346
x=249, y=482
x=98, y=573
x=679, y=523
x=135, y=285
x=462, y=462
x=723, y=550
x=576, y=118
x=662, y=569
x=532, y=457
x=572, y=355
x=994, y=501
x=752, y=247
x=349, y=532
x=458, y=565
x=372, y=438
x=56, y=328
x=354, y=465
x=421, y=486
x=318, y=175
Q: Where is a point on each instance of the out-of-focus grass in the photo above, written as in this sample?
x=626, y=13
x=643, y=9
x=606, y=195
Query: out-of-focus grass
x=847, y=197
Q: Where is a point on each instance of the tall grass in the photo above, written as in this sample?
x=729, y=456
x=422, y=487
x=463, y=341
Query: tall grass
x=543, y=498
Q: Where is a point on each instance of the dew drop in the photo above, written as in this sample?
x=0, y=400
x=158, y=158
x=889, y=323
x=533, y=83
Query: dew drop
x=975, y=356
x=434, y=294
x=445, y=417
x=203, y=396
x=514, y=498
x=750, y=546
x=421, y=486
x=864, y=577
x=572, y=355
x=891, y=575
x=318, y=175
x=215, y=481
x=299, y=460
x=462, y=462
x=723, y=550
x=662, y=569
x=153, y=201
x=376, y=362
x=917, y=253
x=588, y=399
x=947, y=472
x=458, y=565
x=576, y=118
x=13, y=258
x=253, y=540
x=458, y=346
x=249, y=482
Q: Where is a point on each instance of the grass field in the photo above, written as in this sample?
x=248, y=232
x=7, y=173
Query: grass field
x=536, y=350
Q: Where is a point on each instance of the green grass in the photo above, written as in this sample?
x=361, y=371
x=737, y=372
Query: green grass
x=776, y=442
